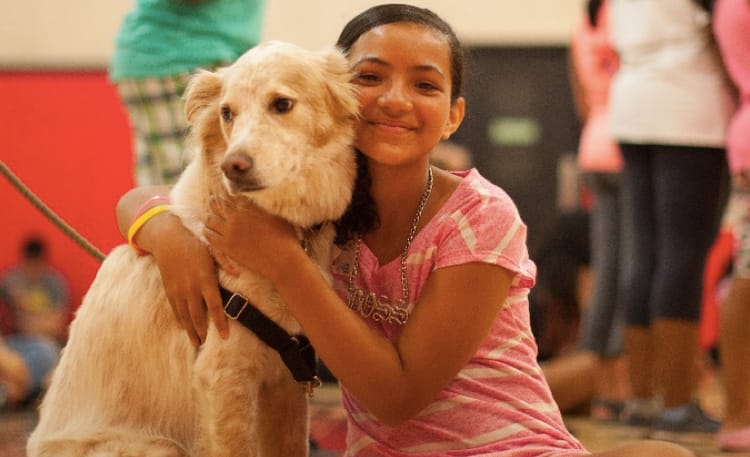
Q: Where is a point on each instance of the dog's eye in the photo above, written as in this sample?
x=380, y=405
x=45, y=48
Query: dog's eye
x=282, y=105
x=226, y=114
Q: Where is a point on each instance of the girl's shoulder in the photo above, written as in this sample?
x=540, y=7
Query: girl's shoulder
x=481, y=223
x=477, y=193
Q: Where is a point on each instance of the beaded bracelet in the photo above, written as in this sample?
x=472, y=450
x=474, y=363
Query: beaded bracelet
x=139, y=221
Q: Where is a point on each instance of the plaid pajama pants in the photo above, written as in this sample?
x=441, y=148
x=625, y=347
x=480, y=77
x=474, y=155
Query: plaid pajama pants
x=155, y=109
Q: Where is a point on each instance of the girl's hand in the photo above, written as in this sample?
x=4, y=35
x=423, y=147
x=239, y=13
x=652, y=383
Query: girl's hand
x=187, y=269
x=188, y=272
x=244, y=233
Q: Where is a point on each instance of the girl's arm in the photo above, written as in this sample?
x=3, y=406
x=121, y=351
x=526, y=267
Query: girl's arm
x=394, y=381
x=187, y=268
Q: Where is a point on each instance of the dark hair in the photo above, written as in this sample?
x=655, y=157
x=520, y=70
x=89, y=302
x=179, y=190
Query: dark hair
x=593, y=7
x=34, y=248
x=361, y=215
x=707, y=5
x=398, y=12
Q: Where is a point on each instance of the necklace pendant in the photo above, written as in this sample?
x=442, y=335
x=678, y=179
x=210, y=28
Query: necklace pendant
x=399, y=312
x=381, y=308
x=367, y=304
x=378, y=308
x=355, y=299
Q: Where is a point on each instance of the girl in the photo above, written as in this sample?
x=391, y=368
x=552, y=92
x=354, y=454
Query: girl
x=440, y=360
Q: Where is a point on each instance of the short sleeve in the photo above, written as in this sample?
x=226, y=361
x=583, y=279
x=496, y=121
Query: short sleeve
x=485, y=226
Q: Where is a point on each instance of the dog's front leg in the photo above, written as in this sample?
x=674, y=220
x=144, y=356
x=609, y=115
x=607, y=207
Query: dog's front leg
x=226, y=389
x=284, y=425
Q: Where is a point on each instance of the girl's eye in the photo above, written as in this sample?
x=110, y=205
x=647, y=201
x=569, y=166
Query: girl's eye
x=426, y=86
x=226, y=114
x=282, y=105
x=367, y=77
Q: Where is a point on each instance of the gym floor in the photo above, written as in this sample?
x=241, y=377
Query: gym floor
x=328, y=428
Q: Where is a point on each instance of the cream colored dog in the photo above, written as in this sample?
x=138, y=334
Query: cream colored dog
x=276, y=127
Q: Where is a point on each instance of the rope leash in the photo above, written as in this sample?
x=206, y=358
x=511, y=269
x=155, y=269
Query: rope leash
x=57, y=220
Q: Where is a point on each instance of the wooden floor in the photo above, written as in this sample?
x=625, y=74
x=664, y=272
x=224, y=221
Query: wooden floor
x=328, y=428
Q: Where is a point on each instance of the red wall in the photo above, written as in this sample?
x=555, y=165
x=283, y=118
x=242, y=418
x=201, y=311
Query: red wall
x=66, y=136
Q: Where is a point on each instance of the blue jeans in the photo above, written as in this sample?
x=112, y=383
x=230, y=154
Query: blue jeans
x=40, y=355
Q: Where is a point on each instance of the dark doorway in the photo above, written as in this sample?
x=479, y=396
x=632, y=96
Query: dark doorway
x=520, y=122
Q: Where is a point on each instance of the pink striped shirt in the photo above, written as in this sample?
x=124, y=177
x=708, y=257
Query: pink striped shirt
x=498, y=404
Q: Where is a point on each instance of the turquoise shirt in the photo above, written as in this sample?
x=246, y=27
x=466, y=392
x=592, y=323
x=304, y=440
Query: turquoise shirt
x=169, y=37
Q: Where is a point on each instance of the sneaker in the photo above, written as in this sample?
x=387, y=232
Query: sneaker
x=685, y=424
x=641, y=412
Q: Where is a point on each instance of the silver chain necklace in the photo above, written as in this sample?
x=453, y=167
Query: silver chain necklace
x=380, y=308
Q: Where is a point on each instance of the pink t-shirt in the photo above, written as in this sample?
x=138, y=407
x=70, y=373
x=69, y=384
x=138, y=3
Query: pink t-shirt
x=731, y=24
x=498, y=404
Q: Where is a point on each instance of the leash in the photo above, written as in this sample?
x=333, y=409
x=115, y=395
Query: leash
x=57, y=220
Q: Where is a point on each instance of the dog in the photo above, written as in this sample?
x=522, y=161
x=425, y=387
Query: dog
x=276, y=127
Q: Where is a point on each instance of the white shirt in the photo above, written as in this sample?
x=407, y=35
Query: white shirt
x=670, y=88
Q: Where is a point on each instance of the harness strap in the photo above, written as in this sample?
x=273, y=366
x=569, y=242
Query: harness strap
x=295, y=350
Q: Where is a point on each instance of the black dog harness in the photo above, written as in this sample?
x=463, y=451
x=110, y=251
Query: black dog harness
x=295, y=350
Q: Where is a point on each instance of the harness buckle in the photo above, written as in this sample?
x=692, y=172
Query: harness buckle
x=230, y=302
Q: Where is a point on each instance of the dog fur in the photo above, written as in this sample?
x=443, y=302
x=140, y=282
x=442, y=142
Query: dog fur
x=280, y=122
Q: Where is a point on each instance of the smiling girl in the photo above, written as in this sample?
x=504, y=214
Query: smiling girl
x=427, y=325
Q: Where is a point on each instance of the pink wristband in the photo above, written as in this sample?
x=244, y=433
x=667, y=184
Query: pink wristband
x=147, y=204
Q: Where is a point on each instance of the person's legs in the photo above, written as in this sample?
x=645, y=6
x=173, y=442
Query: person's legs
x=644, y=404
x=687, y=199
x=40, y=356
x=733, y=336
x=638, y=222
x=600, y=333
x=735, y=353
x=155, y=110
x=611, y=383
x=14, y=376
x=603, y=320
x=571, y=379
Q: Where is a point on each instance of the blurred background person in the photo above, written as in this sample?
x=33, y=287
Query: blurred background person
x=38, y=300
x=670, y=105
x=159, y=44
x=732, y=30
x=593, y=63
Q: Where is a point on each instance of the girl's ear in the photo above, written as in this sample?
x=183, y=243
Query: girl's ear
x=455, y=117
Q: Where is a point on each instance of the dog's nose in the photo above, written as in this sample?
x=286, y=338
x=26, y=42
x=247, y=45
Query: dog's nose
x=236, y=166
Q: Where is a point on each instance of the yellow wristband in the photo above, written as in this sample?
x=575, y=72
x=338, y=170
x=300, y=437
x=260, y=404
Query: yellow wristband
x=139, y=222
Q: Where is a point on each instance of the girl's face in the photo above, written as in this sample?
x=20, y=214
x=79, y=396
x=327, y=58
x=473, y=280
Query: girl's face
x=403, y=76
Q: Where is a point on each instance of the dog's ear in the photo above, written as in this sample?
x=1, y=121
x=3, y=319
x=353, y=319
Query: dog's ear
x=202, y=91
x=202, y=97
x=339, y=83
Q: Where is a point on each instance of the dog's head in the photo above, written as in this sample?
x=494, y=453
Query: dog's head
x=279, y=124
